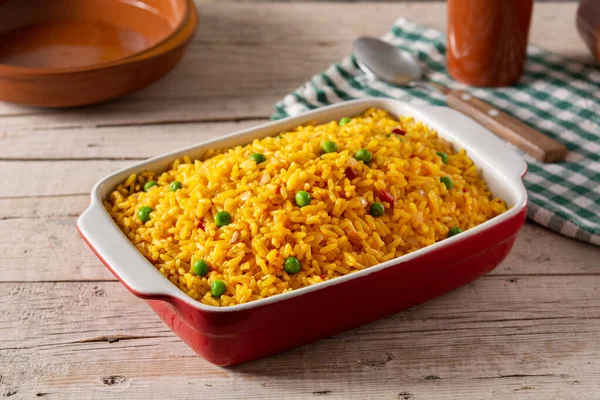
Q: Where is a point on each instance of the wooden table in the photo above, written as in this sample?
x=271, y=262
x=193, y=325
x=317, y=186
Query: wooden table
x=68, y=330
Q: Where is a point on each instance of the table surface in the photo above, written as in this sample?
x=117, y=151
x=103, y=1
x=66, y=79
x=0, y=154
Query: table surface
x=68, y=330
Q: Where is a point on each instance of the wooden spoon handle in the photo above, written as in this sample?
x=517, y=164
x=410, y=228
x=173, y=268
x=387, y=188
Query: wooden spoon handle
x=523, y=136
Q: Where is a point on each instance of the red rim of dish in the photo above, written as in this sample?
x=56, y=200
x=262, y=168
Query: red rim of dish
x=7, y=70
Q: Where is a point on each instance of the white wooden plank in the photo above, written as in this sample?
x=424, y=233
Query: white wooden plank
x=112, y=142
x=53, y=178
x=43, y=208
x=491, y=339
x=47, y=250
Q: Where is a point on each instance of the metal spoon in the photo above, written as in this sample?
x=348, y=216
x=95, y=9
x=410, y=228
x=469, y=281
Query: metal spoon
x=383, y=61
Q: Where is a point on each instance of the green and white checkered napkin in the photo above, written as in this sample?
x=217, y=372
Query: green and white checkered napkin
x=558, y=96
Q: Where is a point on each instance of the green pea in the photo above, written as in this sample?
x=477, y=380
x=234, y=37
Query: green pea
x=222, y=218
x=344, y=121
x=200, y=267
x=149, y=184
x=217, y=288
x=291, y=265
x=446, y=180
x=175, y=186
x=454, y=231
x=144, y=213
x=258, y=158
x=363, y=155
x=377, y=209
x=302, y=198
x=328, y=146
x=443, y=156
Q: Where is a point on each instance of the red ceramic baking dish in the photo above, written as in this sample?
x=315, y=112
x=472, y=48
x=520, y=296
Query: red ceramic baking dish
x=244, y=332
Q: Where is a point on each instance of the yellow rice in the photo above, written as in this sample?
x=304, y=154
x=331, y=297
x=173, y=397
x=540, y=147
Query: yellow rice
x=333, y=236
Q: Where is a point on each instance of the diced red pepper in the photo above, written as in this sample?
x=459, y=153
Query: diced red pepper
x=351, y=173
x=323, y=277
x=386, y=196
x=201, y=224
x=354, y=237
x=399, y=131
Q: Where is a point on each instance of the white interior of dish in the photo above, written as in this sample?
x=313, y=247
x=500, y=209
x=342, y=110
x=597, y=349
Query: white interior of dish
x=500, y=166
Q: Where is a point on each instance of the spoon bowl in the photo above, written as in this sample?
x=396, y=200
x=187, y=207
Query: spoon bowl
x=386, y=62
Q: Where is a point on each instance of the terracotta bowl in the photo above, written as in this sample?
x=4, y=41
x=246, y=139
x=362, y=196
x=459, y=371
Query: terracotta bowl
x=65, y=53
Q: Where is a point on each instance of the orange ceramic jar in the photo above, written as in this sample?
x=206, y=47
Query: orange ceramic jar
x=487, y=40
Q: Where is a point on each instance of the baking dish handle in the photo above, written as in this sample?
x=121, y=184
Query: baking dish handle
x=118, y=254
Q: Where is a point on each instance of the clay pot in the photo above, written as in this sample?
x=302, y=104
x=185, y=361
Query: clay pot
x=65, y=53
